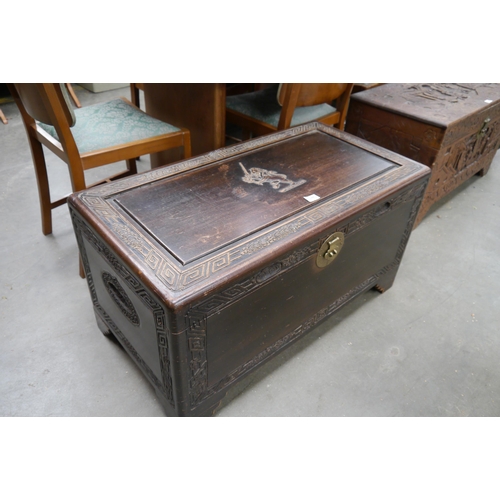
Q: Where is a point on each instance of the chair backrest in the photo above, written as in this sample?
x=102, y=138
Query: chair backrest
x=46, y=102
x=292, y=95
x=310, y=94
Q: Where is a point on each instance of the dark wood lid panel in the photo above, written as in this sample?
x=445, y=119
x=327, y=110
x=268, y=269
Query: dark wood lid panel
x=196, y=213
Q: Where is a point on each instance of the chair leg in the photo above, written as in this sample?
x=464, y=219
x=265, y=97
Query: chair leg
x=43, y=184
x=246, y=134
x=2, y=118
x=134, y=97
x=132, y=166
x=187, y=145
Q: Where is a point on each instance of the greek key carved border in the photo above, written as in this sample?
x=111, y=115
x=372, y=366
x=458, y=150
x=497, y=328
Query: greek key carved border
x=161, y=327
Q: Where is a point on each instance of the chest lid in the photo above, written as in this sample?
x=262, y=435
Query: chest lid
x=191, y=225
x=201, y=211
x=439, y=104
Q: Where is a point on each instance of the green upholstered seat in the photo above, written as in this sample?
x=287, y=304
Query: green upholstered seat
x=263, y=105
x=110, y=124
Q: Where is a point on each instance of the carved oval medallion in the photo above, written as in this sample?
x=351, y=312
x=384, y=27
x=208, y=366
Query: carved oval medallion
x=120, y=298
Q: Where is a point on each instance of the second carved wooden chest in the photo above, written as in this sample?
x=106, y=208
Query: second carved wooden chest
x=205, y=269
x=452, y=128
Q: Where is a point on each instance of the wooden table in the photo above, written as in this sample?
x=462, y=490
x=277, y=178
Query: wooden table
x=199, y=107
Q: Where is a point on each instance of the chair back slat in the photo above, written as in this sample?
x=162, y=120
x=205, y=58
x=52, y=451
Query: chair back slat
x=39, y=101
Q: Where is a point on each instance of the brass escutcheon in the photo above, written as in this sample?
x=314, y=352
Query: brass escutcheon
x=484, y=128
x=330, y=249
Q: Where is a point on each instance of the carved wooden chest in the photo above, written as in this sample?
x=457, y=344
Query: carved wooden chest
x=205, y=269
x=452, y=128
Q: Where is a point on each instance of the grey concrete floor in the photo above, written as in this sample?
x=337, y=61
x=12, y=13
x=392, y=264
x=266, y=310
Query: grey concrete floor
x=427, y=347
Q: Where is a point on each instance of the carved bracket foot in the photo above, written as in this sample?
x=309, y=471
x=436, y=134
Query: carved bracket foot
x=102, y=326
x=385, y=281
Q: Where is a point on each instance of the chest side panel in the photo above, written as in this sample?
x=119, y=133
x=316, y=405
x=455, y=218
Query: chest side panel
x=127, y=308
x=463, y=158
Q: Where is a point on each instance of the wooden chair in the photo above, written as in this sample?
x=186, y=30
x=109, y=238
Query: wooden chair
x=88, y=137
x=279, y=107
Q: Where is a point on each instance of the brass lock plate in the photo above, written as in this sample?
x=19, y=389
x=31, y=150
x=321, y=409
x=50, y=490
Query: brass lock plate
x=484, y=128
x=330, y=249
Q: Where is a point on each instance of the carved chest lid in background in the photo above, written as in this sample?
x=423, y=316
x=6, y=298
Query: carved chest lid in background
x=439, y=104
